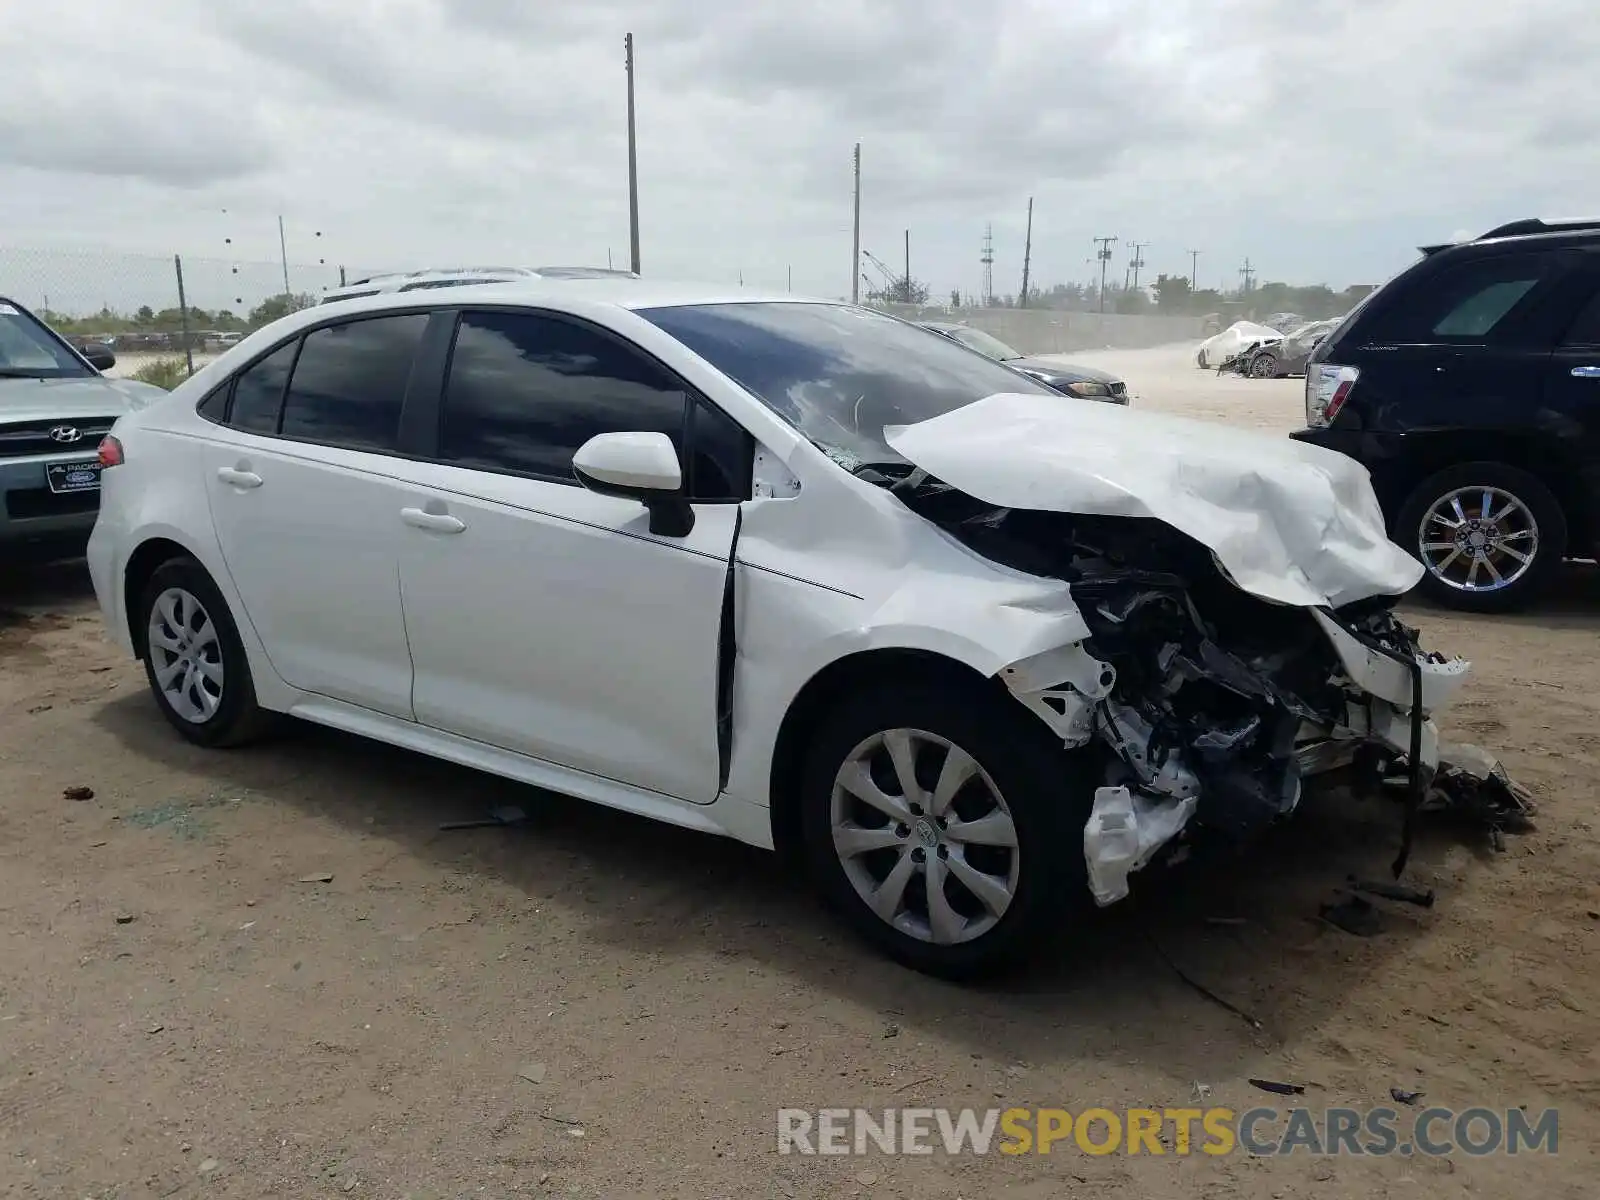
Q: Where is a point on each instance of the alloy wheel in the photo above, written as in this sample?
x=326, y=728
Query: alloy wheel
x=924, y=836
x=186, y=655
x=1478, y=539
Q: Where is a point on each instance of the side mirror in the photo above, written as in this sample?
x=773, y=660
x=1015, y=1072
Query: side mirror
x=638, y=466
x=100, y=357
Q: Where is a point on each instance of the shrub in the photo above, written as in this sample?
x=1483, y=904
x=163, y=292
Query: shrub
x=165, y=373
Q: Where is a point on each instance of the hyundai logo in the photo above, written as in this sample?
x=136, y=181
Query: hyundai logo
x=65, y=434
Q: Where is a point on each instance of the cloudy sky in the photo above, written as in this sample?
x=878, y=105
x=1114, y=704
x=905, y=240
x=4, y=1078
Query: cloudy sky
x=1324, y=139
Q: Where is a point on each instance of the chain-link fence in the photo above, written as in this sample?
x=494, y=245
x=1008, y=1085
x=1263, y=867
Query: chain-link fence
x=163, y=316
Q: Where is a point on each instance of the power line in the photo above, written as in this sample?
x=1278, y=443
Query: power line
x=633, y=163
x=1138, y=261
x=1104, y=255
x=987, y=259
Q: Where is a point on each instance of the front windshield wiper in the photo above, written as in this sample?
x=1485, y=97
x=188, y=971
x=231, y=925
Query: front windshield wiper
x=20, y=373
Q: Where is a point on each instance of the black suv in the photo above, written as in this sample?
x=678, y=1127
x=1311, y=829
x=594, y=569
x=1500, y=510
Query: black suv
x=1469, y=386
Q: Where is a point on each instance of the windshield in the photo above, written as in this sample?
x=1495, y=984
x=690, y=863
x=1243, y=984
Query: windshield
x=838, y=374
x=983, y=343
x=29, y=350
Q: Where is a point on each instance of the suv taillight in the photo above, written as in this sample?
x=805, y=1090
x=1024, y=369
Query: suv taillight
x=110, y=452
x=1327, y=388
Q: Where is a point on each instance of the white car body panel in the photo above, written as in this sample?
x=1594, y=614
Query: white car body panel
x=1288, y=522
x=552, y=638
x=1219, y=347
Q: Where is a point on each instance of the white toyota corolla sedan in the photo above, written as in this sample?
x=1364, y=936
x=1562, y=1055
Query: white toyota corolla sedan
x=795, y=572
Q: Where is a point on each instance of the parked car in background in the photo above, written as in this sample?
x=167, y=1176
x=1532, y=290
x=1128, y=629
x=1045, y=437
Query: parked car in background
x=444, y=277
x=1234, y=341
x=1469, y=386
x=55, y=406
x=1290, y=356
x=1086, y=383
x=795, y=572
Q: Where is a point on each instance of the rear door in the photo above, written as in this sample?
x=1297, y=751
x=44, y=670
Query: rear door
x=1464, y=346
x=305, y=500
x=1571, y=409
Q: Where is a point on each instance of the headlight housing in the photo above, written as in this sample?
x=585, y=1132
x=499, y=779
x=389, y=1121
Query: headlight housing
x=1088, y=390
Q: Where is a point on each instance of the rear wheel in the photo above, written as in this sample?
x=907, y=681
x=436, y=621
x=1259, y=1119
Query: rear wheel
x=944, y=829
x=1264, y=365
x=1200, y=360
x=1489, y=536
x=193, y=658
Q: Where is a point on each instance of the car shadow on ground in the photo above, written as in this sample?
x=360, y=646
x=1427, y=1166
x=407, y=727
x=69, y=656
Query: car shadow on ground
x=1249, y=930
x=1572, y=602
x=29, y=586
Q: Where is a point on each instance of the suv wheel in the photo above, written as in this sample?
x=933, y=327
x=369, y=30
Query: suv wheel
x=193, y=657
x=1489, y=536
x=943, y=828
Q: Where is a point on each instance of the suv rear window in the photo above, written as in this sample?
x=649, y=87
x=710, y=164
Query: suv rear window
x=1461, y=302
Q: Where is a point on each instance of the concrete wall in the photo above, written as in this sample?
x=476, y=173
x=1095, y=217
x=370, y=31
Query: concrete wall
x=1043, y=331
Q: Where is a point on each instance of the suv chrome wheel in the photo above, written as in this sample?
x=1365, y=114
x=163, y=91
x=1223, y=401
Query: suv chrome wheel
x=1478, y=539
x=925, y=836
x=186, y=655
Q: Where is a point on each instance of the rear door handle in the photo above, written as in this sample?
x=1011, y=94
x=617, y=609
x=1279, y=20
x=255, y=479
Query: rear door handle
x=434, y=522
x=234, y=477
x=1586, y=372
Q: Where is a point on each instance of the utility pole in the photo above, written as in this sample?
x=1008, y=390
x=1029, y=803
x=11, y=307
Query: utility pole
x=283, y=252
x=908, y=266
x=1138, y=261
x=987, y=259
x=1194, y=270
x=1027, y=257
x=1104, y=255
x=855, y=239
x=1248, y=273
x=633, y=164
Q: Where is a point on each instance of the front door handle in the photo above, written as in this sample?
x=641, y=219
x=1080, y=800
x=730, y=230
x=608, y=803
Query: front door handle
x=1586, y=372
x=239, y=478
x=434, y=522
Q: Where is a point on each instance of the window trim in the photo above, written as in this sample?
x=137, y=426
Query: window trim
x=424, y=372
x=692, y=396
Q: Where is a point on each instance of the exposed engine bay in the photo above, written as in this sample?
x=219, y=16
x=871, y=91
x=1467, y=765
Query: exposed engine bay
x=1212, y=704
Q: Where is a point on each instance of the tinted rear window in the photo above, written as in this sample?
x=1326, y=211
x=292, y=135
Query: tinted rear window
x=1459, y=302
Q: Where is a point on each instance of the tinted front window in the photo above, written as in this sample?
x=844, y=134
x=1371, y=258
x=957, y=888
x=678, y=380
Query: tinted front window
x=258, y=392
x=838, y=374
x=1585, y=328
x=27, y=348
x=526, y=391
x=350, y=382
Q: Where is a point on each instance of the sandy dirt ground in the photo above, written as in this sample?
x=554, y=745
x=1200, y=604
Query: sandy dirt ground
x=269, y=972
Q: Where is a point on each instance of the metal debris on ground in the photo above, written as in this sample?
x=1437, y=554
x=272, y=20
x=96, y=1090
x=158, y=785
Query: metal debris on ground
x=1394, y=891
x=1278, y=1089
x=77, y=792
x=320, y=877
x=505, y=814
x=533, y=1072
x=124, y=918
x=1353, y=915
x=1404, y=1097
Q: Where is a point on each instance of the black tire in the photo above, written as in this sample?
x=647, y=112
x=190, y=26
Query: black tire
x=1264, y=365
x=1532, y=494
x=1200, y=360
x=237, y=718
x=1048, y=792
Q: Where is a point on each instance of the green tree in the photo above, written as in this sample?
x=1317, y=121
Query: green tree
x=284, y=303
x=145, y=315
x=1174, y=293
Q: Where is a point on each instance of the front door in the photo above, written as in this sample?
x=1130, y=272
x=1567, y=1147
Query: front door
x=547, y=619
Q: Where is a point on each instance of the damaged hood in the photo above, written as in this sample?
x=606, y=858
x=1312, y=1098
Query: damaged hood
x=1288, y=522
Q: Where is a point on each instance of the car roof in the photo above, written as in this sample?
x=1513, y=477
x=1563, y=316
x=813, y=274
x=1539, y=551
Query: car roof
x=626, y=294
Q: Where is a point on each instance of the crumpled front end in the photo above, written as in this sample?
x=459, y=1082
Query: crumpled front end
x=1211, y=705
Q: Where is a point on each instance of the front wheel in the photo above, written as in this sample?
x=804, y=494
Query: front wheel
x=1489, y=536
x=945, y=829
x=1264, y=365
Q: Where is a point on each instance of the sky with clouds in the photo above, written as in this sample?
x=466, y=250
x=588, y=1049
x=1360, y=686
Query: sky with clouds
x=1323, y=139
